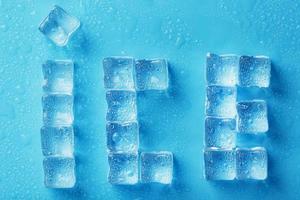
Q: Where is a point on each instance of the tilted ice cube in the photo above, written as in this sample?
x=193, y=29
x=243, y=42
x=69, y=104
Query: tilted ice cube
x=220, y=164
x=57, y=110
x=58, y=76
x=123, y=168
x=252, y=116
x=121, y=106
x=252, y=163
x=59, y=172
x=221, y=101
x=157, y=167
x=222, y=70
x=254, y=71
x=122, y=137
x=57, y=141
x=152, y=74
x=119, y=73
x=59, y=26
x=220, y=132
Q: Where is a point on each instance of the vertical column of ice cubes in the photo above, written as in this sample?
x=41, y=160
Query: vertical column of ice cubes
x=254, y=71
x=122, y=128
x=220, y=122
x=57, y=134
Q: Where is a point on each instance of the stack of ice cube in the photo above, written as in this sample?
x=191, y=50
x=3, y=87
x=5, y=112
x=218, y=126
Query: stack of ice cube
x=57, y=134
x=123, y=77
x=225, y=117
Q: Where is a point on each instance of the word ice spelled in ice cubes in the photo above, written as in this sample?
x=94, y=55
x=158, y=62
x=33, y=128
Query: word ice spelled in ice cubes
x=122, y=137
x=58, y=76
x=221, y=101
x=59, y=172
x=122, y=106
x=222, y=70
x=152, y=74
x=57, y=110
x=57, y=141
x=58, y=26
x=254, y=71
x=252, y=163
x=220, y=132
x=119, y=73
x=220, y=164
x=157, y=167
x=252, y=116
x=123, y=168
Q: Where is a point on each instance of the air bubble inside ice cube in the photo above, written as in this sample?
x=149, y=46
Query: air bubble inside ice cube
x=222, y=70
x=59, y=172
x=57, y=110
x=58, y=76
x=221, y=101
x=220, y=132
x=252, y=116
x=252, y=163
x=121, y=106
x=119, y=73
x=58, y=141
x=254, y=71
x=123, y=168
x=152, y=74
x=220, y=164
x=122, y=136
x=59, y=26
x=157, y=167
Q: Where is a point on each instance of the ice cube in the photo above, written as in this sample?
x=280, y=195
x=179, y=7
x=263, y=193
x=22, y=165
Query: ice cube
x=122, y=137
x=222, y=70
x=221, y=101
x=121, y=106
x=254, y=71
x=220, y=132
x=123, y=168
x=58, y=141
x=58, y=76
x=220, y=164
x=57, y=110
x=119, y=73
x=59, y=172
x=252, y=163
x=58, y=26
x=252, y=116
x=157, y=167
x=152, y=74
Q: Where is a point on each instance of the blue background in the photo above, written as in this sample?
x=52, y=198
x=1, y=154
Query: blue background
x=181, y=31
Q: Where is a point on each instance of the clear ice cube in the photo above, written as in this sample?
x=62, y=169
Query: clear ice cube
x=222, y=70
x=221, y=101
x=254, y=71
x=152, y=74
x=121, y=106
x=252, y=163
x=123, y=168
x=58, y=76
x=58, y=26
x=58, y=141
x=122, y=137
x=59, y=172
x=57, y=110
x=220, y=164
x=119, y=73
x=220, y=132
x=157, y=167
x=252, y=116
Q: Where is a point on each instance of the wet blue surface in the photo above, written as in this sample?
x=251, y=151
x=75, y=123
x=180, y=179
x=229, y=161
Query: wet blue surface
x=182, y=32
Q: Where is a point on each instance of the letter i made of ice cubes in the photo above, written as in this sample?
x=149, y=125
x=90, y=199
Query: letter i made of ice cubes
x=59, y=26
